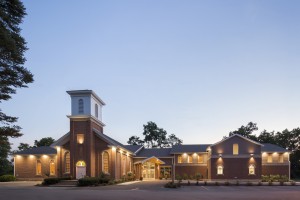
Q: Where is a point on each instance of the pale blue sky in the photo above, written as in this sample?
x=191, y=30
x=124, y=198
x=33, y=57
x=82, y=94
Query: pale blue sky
x=199, y=69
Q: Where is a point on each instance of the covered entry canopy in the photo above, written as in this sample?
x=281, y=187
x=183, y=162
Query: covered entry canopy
x=152, y=159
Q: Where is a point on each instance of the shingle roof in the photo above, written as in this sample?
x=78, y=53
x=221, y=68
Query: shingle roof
x=110, y=140
x=163, y=152
x=189, y=148
x=37, y=150
x=133, y=148
x=272, y=148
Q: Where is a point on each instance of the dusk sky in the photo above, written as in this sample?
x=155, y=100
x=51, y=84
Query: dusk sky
x=199, y=69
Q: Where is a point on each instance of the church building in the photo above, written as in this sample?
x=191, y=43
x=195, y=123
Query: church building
x=87, y=151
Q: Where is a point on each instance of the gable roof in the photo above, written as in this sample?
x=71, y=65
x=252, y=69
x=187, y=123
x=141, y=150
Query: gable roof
x=110, y=141
x=62, y=140
x=151, y=159
x=189, y=148
x=162, y=152
x=134, y=148
x=272, y=148
x=37, y=151
x=237, y=135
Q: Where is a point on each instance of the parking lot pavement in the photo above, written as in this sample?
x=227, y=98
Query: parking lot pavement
x=146, y=191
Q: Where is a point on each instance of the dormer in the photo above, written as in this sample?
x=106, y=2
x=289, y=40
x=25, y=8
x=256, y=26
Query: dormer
x=86, y=103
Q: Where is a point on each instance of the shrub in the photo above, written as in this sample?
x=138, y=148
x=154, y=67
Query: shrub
x=7, y=178
x=237, y=183
x=198, y=176
x=217, y=183
x=185, y=176
x=249, y=183
x=226, y=183
x=189, y=183
x=284, y=178
x=178, y=177
x=172, y=185
x=205, y=182
x=51, y=181
x=265, y=178
x=141, y=178
x=274, y=178
x=88, y=181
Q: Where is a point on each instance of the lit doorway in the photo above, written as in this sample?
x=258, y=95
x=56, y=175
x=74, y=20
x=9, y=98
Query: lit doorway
x=80, y=169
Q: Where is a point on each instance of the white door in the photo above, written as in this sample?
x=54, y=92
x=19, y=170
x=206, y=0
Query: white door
x=80, y=172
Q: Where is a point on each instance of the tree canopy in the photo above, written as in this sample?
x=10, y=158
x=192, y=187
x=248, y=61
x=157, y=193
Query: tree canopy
x=13, y=74
x=154, y=137
x=47, y=141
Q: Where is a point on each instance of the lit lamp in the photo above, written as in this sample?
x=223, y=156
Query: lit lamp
x=220, y=155
x=251, y=155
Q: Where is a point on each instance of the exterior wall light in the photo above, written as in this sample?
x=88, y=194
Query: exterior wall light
x=114, y=148
x=251, y=155
x=220, y=155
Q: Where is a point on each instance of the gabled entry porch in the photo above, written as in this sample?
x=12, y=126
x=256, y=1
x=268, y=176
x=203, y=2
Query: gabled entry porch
x=149, y=168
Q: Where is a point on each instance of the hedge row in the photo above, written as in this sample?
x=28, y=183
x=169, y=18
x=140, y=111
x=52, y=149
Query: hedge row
x=51, y=181
x=7, y=178
x=274, y=178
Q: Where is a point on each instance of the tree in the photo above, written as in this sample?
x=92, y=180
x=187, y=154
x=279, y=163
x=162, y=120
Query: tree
x=134, y=140
x=154, y=137
x=12, y=73
x=47, y=141
x=173, y=140
x=246, y=131
x=267, y=137
x=24, y=146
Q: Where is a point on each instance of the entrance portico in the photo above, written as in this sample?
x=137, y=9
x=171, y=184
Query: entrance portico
x=148, y=168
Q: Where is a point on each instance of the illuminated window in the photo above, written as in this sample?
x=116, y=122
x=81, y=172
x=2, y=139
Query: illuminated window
x=38, y=167
x=80, y=138
x=281, y=158
x=200, y=159
x=67, y=162
x=190, y=159
x=80, y=106
x=235, y=149
x=251, y=169
x=179, y=159
x=105, y=162
x=52, y=167
x=96, y=110
x=220, y=170
x=270, y=159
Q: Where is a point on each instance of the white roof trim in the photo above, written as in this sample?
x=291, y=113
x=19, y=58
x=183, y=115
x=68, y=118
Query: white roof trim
x=145, y=160
x=238, y=136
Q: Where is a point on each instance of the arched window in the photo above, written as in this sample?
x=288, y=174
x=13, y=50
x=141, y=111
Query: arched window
x=52, y=167
x=105, y=162
x=38, y=167
x=80, y=106
x=220, y=170
x=67, y=162
x=96, y=110
x=251, y=170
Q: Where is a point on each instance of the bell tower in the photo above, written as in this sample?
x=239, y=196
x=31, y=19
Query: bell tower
x=86, y=116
